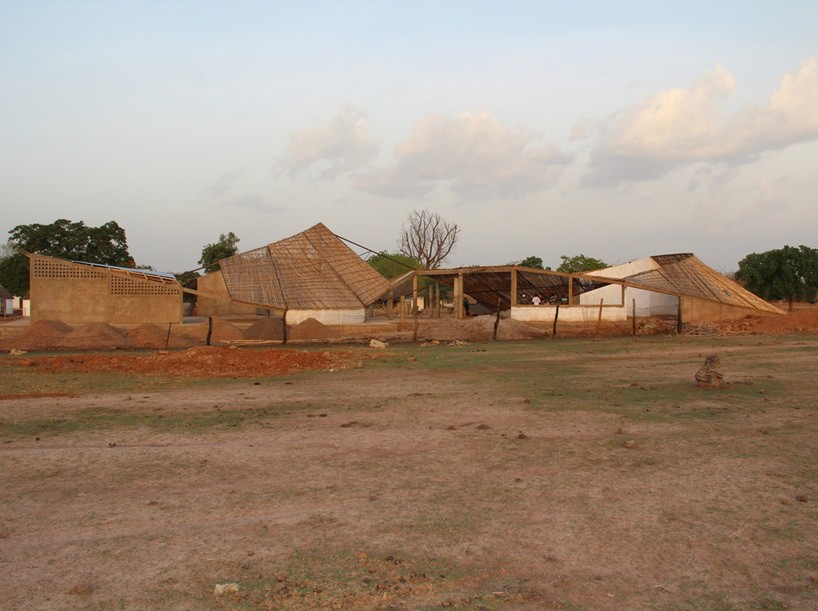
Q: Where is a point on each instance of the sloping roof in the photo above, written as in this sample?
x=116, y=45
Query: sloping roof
x=685, y=274
x=311, y=270
x=4, y=293
x=53, y=267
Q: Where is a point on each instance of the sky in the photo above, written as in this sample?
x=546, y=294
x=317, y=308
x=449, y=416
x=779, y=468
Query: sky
x=616, y=130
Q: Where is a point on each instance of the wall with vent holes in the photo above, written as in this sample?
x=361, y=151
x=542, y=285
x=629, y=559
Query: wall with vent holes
x=75, y=293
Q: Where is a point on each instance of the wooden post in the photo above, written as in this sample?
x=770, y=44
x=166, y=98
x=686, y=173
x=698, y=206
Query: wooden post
x=458, y=297
x=284, y=327
x=599, y=317
x=438, y=305
x=415, y=295
x=415, y=315
x=402, y=307
x=390, y=303
x=167, y=339
x=679, y=317
x=209, y=328
x=497, y=320
x=570, y=290
x=634, y=316
x=512, y=299
x=556, y=316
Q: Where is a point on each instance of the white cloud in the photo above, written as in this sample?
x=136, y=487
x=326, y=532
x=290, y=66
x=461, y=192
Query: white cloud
x=224, y=183
x=250, y=201
x=343, y=145
x=474, y=154
x=682, y=126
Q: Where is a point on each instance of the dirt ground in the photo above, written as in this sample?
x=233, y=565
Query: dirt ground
x=574, y=474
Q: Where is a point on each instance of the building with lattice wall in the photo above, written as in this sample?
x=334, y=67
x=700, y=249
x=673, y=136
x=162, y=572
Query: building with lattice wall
x=77, y=292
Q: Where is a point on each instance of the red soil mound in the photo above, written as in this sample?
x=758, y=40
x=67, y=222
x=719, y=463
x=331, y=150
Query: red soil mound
x=265, y=328
x=95, y=336
x=41, y=335
x=311, y=329
x=803, y=320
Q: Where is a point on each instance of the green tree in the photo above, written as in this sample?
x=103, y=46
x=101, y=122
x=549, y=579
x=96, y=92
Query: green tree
x=393, y=264
x=533, y=262
x=226, y=246
x=64, y=239
x=785, y=273
x=579, y=263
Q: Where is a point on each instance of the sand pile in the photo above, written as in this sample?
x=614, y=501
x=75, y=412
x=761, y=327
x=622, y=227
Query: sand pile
x=152, y=336
x=95, y=336
x=265, y=328
x=311, y=329
x=41, y=335
x=481, y=328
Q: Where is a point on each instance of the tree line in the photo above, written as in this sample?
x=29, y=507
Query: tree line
x=426, y=241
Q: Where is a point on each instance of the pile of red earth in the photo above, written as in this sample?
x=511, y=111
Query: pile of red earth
x=312, y=329
x=804, y=320
x=200, y=361
x=265, y=329
x=41, y=335
x=46, y=335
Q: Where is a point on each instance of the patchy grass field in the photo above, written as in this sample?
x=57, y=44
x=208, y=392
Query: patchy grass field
x=573, y=474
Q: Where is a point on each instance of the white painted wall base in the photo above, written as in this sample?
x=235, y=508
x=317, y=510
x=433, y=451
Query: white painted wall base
x=590, y=313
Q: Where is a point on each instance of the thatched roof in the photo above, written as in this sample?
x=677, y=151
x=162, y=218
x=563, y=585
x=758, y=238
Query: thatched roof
x=685, y=274
x=312, y=270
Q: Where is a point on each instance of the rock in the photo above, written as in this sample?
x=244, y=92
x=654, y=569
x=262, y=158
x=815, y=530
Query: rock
x=710, y=374
x=630, y=444
x=226, y=588
x=375, y=343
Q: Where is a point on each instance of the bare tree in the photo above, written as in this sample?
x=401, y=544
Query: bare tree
x=428, y=237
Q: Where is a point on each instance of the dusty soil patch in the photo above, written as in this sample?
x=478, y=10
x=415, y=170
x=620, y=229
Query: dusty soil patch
x=156, y=337
x=200, y=361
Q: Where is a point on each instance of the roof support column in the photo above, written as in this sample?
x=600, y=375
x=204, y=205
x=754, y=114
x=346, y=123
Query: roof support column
x=414, y=295
x=570, y=290
x=512, y=299
x=458, y=296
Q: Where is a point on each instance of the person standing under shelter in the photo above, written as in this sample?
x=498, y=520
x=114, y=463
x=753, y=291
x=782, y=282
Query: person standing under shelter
x=536, y=299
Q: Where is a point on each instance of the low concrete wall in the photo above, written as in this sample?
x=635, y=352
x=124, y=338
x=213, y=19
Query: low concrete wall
x=590, y=313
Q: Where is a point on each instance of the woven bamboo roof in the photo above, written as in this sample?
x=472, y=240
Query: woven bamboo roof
x=685, y=274
x=312, y=270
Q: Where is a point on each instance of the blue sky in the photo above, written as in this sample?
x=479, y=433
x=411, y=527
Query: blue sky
x=612, y=129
